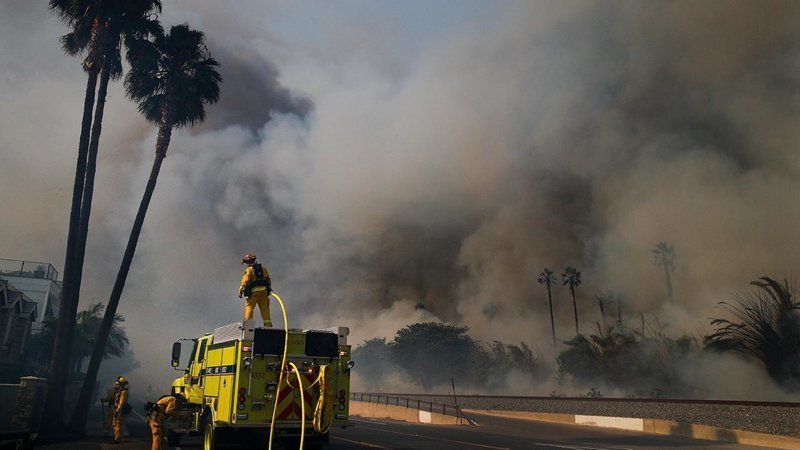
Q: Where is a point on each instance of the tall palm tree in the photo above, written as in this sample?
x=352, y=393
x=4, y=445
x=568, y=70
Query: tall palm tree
x=766, y=327
x=95, y=26
x=665, y=258
x=572, y=278
x=548, y=278
x=172, y=78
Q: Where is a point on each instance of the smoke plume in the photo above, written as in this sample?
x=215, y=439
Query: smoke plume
x=450, y=173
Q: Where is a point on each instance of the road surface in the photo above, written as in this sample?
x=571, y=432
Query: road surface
x=496, y=434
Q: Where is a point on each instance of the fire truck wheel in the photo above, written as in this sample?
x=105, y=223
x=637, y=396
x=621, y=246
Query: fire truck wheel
x=209, y=434
x=173, y=438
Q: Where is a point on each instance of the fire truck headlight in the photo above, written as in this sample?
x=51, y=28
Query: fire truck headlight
x=350, y=364
x=247, y=361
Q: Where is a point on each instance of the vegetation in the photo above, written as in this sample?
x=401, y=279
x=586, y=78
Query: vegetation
x=646, y=363
x=497, y=361
x=96, y=27
x=620, y=358
x=665, y=258
x=766, y=327
x=430, y=354
x=87, y=324
x=572, y=278
x=602, y=301
x=548, y=278
x=374, y=362
x=172, y=78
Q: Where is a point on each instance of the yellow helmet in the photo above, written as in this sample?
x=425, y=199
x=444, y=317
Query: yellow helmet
x=121, y=380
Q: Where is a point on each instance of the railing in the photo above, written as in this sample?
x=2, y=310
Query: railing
x=421, y=405
x=28, y=269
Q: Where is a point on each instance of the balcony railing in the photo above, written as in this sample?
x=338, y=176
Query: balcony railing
x=28, y=269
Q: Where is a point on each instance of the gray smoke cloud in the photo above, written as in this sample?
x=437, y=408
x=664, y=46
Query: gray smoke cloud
x=547, y=134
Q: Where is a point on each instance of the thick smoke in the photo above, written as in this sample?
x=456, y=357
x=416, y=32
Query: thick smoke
x=546, y=134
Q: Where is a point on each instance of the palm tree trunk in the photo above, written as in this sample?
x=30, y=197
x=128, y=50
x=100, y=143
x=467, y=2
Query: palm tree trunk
x=88, y=189
x=575, y=308
x=59, y=363
x=669, y=283
x=86, y=207
x=552, y=321
x=78, y=421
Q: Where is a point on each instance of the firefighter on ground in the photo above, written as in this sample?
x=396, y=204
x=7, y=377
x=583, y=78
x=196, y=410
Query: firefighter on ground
x=165, y=407
x=256, y=286
x=108, y=400
x=120, y=403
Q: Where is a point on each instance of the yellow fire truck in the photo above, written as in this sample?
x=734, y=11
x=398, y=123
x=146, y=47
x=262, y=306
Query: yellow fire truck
x=236, y=373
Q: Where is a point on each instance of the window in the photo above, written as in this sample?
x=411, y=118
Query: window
x=202, y=354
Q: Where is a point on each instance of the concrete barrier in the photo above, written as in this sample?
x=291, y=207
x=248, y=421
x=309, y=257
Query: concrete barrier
x=654, y=426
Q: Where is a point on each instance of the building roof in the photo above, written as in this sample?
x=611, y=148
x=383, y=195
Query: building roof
x=14, y=298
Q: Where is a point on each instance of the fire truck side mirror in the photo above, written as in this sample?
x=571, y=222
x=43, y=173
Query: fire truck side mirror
x=176, y=354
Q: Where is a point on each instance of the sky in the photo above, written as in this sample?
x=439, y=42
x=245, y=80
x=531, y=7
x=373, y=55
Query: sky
x=377, y=155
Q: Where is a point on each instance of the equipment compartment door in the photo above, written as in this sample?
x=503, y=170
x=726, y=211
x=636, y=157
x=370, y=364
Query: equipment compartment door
x=226, y=371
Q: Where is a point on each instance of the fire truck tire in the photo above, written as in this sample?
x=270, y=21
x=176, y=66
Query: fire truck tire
x=173, y=438
x=209, y=434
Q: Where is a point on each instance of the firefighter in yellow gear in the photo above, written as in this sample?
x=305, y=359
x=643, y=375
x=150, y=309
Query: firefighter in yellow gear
x=256, y=286
x=167, y=406
x=108, y=400
x=120, y=402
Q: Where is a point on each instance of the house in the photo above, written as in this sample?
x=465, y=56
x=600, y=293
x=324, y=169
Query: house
x=18, y=313
x=39, y=282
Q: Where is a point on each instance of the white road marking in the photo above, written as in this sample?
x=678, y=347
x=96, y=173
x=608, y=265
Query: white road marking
x=369, y=421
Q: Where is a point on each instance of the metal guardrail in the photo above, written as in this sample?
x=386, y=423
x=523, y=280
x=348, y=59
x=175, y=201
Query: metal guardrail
x=613, y=399
x=421, y=405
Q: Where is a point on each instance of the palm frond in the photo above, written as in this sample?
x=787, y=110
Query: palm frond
x=765, y=326
x=173, y=76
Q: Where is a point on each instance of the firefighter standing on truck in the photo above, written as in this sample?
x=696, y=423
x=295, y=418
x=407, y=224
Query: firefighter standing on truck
x=256, y=286
x=120, y=402
x=167, y=406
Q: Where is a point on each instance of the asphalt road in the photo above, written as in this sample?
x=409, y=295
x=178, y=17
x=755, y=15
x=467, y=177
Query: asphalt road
x=495, y=434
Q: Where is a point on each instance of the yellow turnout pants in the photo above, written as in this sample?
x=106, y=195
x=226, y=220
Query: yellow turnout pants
x=119, y=424
x=261, y=299
x=157, y=427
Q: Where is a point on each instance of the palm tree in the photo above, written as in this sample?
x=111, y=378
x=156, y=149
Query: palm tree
x=665, y=258
x=171, y=78
x=766, y=327
x=87, y=325
x=572, y=278
x=95, y=26
x=548, y=278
